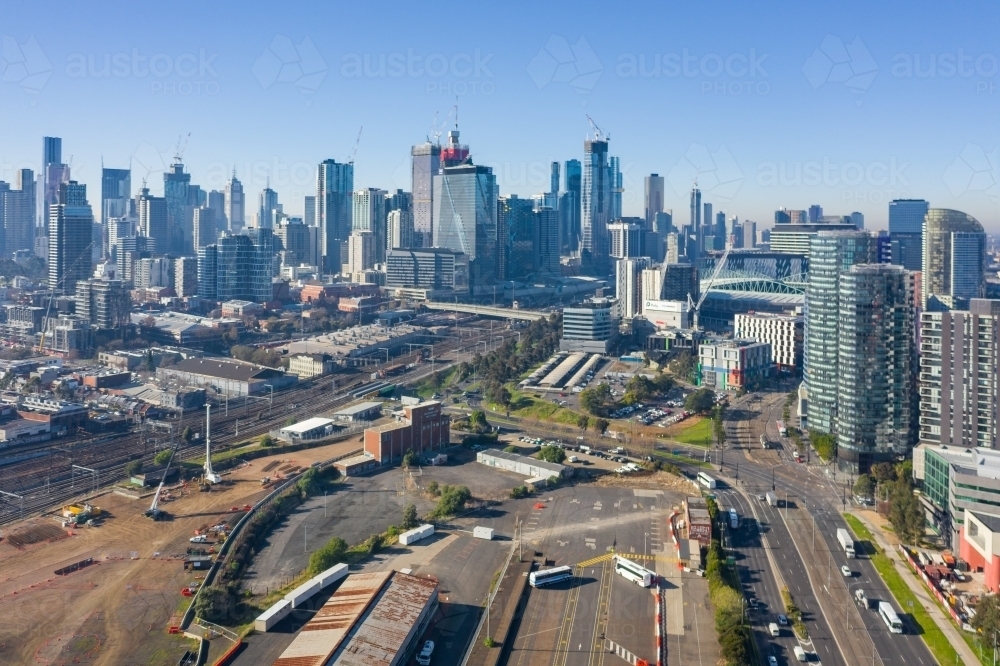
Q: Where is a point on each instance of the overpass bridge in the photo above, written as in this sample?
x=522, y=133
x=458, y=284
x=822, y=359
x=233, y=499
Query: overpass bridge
x=487, y=311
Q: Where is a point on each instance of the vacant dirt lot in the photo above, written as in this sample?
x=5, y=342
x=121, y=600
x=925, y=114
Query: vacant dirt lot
x=117, y=610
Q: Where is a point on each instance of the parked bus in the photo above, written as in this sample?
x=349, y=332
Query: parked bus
x=550, y=576
x=889, y=617
x=633, y=572
x=734, y=519
x=706, y=480
x=782, y=430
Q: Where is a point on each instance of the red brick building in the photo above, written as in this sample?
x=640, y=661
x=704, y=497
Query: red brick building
x=424, y=428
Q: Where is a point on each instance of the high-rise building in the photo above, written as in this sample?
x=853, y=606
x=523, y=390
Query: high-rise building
x=518, y=238
x=858, y=219
x=749, y=234
x=360, y=251
x=548, y=250
x=70, y=235
x=154, y=272
x=54, y=174
x=217, y=202
x=369, y=215
x=906, y=228
x=427, y=270
x=116, y=192
x=674, y=248
x=617, y=189
x=104, y=300
x=693, y=240
x=17, y=214
x=626, y=237
x=295, y=238
x=235, y=204
x=815, y=214
x=628, y=283
x=268, y=209
x=960, y=376
x=797, y=238
x=954, y=259
x=570, y=202
x=425, y=164
x=309, y=215
x=186, y=276
x=653, y=198
x=465, y=211
x=596, y=204
x=680, y=282
x=208, y=272
x=176, y=186
x=399, y=225
x=830, y=254
x=398, y=200
x=334, y=184
x=876, y=367
x=783, y=332
x=205, y=229
x=153, y=220
x=243, y=266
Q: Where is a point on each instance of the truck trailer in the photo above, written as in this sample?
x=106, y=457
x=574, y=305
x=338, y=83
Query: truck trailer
x=772, y=499
x=846, y=542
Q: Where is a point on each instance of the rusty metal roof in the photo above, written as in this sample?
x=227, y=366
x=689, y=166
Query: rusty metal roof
x=387, y=627
x=323, y=634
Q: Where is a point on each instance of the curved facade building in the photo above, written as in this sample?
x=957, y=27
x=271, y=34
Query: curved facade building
x=954, y=258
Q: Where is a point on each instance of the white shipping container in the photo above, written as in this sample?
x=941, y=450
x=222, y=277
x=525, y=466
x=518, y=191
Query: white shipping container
x=483, y=533
x=331, y=575
x=302, y=593
x=414, y=535
x=272, y=616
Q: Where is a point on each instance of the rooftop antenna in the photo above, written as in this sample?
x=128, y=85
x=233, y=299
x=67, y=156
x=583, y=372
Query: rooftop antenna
x=210, y=476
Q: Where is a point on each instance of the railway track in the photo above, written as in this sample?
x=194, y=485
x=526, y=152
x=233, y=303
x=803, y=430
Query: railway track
x=38, y=485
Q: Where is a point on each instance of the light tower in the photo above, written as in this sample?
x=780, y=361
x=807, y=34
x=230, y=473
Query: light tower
x=210, y=476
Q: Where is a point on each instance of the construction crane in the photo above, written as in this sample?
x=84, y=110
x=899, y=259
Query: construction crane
x=154, y=510
x=210, y=475
x=598, y=134
x=696, y=307
x=354, y=153
x=179, y=151
x=52, y=293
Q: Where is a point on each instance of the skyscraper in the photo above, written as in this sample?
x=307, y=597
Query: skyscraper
x=70, y=236
x=830, y=254
x=617, y=189
x=153, y=222
x=596, y=203
x=309, y=217
x=465, y=217
x=399, y=225
x=360, y=251
x=626, y=237
x=425, y=164
x=954, y=259
x=54, y=177
x=217, y=202
x=116, y=190
x=569, y=206
x=906, y=227
x=205, y=229
x=334, y=184
x=235, y=204
x=628, y=285
x=653, y=199
x=858, y=219
x=369, y=215
x=876, y=367
x=243, y=266
x=296, y=239
x=208, y=272
x=518, y=244
x=186, y=276
x=815, y=214
x=17, y=213
x=267, y=209
x=693, y=243
x=176, y=184
x=549, y=242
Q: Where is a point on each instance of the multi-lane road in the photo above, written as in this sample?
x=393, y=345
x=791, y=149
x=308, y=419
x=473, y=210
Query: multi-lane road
x=801, y=538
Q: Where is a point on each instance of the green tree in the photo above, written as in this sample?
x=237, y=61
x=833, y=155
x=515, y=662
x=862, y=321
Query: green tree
x=266, y=441
x=148, y=364
x=664, y=383
x=640, y=388
x=451, y=501
x=132, y=468
x=410, y=519
x=477, y=419
x=905, y=513
x=433, y=488
x=601, y=425
x=552, y=454
x=883, y=471
x=333, y=552
x=864, y=486
x=718, y=425
x=824, y=443
x=511, y=449
x=987, y=620
x=187, y=434
x=214, y=604
x=519, y=492
x=582, y=421
x=409, y=459
x=596, y=399
x=700, y=401
x=162, y=457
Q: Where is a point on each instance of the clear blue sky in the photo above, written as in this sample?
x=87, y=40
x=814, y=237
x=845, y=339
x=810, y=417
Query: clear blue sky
x=766, y=104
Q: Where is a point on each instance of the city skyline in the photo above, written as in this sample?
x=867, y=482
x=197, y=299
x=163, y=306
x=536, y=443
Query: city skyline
x=802, y=137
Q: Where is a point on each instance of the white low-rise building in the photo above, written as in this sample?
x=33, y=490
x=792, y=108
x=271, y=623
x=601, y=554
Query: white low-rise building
x=783, y=332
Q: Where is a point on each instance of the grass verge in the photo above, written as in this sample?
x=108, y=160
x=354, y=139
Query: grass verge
x=698, y=433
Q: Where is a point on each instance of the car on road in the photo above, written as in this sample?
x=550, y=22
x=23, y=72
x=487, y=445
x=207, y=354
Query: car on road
x=761, y=497
x=782, y=620
x=754, y=603
x=424, y=658
x=846, y=571
x=772, y=660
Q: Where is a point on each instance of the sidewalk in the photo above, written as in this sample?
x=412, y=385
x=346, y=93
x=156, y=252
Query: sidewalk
x=918, y=588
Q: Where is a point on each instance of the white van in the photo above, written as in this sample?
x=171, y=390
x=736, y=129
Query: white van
x=800, y=654
x=574, y=459
x=774, y=629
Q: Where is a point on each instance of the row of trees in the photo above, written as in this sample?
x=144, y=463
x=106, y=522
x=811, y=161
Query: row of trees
x=727, y=601
x=599, y=401
x=895, y=484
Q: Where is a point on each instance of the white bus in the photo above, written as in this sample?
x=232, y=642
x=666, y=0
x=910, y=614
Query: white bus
x=734, y=519
x=782, y=430
x=550, y=576
x=889, y=617
x=634, y=572
x=706, y=480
